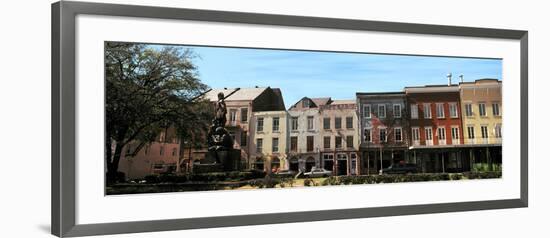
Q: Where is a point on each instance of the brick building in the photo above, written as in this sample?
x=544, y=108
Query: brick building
x=162, y=155
x=384, y=130
x=436, y=128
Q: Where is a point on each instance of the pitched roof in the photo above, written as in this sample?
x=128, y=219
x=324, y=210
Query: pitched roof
x=235, y=94
x=321, y=101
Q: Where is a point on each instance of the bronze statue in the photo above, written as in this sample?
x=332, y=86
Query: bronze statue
x=221, y=111
x=219, y=139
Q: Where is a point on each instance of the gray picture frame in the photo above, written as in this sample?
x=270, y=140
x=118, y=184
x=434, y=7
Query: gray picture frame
x=64, y=107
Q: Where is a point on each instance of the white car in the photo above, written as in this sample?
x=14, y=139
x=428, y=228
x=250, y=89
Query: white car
x=315, y=172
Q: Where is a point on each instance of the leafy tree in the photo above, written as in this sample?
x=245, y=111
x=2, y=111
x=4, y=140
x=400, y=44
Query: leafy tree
x=149, y=89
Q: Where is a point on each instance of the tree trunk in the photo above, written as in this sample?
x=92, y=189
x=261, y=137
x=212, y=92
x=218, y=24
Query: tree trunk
x=112, y=165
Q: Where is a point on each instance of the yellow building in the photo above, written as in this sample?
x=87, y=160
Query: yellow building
x=269, y=144
x=481, y=103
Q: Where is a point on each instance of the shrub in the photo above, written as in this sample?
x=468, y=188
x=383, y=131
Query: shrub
x=152, y=178
x=286, y=180
x=332, y=180
x=259, y=183
x=171, y=178
x=309, y=182
x=456, y=176
x=485, y=167
x=391, y=178
x=483, y=175
x=226, y=176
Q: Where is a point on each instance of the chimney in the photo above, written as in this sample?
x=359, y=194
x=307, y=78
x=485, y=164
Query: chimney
x=461, y=78
x=449, y=77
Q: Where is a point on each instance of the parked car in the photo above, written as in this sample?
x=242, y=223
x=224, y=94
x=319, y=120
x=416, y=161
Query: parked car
x=399, y=169
x=317, y=172
x=286, y=172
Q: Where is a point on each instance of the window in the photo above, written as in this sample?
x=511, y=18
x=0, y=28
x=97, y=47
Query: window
x=162, y=150
x=429, y=134
x=349, y=141
x=366, y=111
x=174, y=152
x=454, y=133
x=309, y=143
x=294, y=143
x=294, y=123
x=453, y=110
x=244, y=138
x=441, y=133
x=398, y=134
x=382, y=111
x=367, y=135
x=482, y=111
x=328, y=157
x=326, y=142
x=374, y=111
x=498, y=131
x=326, y=123
x=496, y=109
x=397, y=110
x=415, y=134
x=275, y=144
x=338, y=122
x=471, y=133
x=233, y=115
x=260, y=124
x=276, y=124
x=338, y=142
x=383, y=137
x=259, y=145
x=427, y=110
x=484, y=133
x=440, y=111
x=469, y=110
x=310, y=123
x=244, y=114
x=349, y=122
x=414, y=111
x=305, y=103
x=147, y=147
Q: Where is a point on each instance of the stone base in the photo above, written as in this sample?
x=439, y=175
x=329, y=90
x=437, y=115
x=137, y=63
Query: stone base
x=228, y=160
x=207, y=168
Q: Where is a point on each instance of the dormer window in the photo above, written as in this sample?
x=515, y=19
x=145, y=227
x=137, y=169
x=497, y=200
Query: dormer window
x=305, y=103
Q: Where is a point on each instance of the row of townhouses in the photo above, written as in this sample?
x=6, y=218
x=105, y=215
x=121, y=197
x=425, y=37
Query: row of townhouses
x=440, y=128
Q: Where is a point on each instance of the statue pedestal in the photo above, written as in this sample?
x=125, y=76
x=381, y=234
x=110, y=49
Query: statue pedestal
x=228, y=160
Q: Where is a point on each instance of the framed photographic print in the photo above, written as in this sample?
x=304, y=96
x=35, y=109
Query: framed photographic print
x=167, y=119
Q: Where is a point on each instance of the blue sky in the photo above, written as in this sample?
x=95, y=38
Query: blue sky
x=330, y=74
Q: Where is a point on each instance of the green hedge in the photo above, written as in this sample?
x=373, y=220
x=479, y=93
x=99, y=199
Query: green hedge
x=484, y=167
x=205, y=177
x=271, y=182
x=373, y=179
